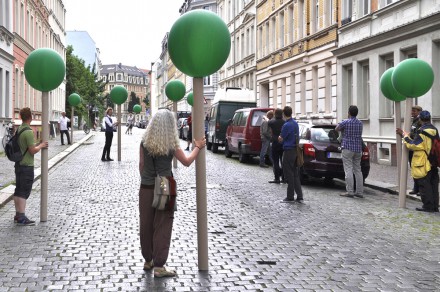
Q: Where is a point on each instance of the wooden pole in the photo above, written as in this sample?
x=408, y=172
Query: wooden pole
x=44, y=156
x=398, y=124
x=119, y=131
x=175, y=112
x=71, y=125
x=404, y=165
x=202, y=214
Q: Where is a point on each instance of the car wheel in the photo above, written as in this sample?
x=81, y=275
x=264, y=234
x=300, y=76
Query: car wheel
x=328, y=180
x=303, y=177
x=241, y=156
x=228, y=154
x=214, y=148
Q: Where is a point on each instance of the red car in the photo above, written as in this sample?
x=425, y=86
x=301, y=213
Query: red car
x=323, y=154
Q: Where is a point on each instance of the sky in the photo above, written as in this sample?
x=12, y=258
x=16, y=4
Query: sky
x=128, y=32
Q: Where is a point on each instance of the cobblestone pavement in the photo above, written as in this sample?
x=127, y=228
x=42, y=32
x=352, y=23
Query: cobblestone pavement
x=256, y=242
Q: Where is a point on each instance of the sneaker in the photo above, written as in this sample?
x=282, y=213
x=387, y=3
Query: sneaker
x=25, y=221
x=413, y=192
x=162, y=272
x=148, y=265
x=15, y=219
x=299, y=201
x=358, y=195
x=264, y=165
x=348, y=195
x=288, y=200
x=277, y=181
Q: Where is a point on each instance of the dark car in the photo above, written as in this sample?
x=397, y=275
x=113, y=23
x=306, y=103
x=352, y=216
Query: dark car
x=323, y=154
x=142, y=124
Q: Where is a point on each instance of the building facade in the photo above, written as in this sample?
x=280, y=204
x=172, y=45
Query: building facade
x=6, y=65
x=240, y=68
x=132, y=78
x=375, y=36
x=295, y=64
x=36, y=24
x=84, y=47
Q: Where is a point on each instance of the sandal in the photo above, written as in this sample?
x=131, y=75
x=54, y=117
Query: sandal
x=162, y=272
x=148, y=265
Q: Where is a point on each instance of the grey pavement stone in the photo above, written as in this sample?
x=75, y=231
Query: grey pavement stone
x=329, y=243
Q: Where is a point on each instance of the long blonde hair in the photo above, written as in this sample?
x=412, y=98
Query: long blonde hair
x=161, y=137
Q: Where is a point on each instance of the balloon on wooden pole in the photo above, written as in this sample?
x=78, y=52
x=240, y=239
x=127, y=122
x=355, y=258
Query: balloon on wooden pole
x=74, y=99
x=119, y=95
x=44, y=70
x=199, y=44
x=175, y=91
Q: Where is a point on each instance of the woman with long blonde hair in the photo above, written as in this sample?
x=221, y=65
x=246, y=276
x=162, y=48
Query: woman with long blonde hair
x=160, y=143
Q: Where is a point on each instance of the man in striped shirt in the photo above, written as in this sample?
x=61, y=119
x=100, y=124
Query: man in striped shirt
x=351, y=129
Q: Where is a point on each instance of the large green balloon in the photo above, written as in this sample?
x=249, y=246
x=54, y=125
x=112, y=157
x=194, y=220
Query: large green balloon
x=199, y=43
x=386, y=86
x=190, y=99
x=413, y=77
x=44, y=69
x=119, y=94
x=137, y=108
x=74, y=99
x=175, y=90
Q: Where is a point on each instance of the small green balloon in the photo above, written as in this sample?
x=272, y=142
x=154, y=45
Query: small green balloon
x=119, y=94
x=74, y=99
x=199, y=43
x=44, y=69
x=386, y=86
x=413, y=77
x=190, y=99
x=175, y=90
x=137, y=108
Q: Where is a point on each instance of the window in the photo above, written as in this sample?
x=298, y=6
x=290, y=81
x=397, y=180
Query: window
x=252, y=41
x=207, y=80
x=281, y=34
x=243, y=47
x=266, y=45
x=347, y=87
x=363, y=100
x=387, y=105
x=347, y=9
x=365, y=7
x=300, y=32
x=291, y=23
x=272, y=46
x=111, y=78
x=384, y=3
x=119, y=77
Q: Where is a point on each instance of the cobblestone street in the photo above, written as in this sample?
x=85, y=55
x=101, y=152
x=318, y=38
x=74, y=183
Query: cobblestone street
x=256, y=243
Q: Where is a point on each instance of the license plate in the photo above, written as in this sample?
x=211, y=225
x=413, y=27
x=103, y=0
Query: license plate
x=334, y=155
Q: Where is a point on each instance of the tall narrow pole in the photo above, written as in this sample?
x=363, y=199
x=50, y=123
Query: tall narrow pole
x=398, y=124
x=175, y=112
x=404, y=165
x=119, y=132
x=202, y=213
x=71, y=124
x=44, y=156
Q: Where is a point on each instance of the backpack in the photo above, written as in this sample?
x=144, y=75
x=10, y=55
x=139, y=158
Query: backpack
x=434, y=154
x=12, y=148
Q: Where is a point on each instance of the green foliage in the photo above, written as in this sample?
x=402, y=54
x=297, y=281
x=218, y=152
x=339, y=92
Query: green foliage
x=80, y=79
x=134, y=100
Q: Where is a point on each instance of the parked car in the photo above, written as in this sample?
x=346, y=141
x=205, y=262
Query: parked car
x=181, y=123
x=323, y=154
x=226, y=102
x=141, y=124
x=243, y=133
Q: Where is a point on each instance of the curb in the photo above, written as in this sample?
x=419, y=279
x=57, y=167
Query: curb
x=7, y=192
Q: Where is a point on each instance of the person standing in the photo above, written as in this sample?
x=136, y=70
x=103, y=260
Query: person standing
x=62, y=126
x=109, y=124
x=352, y=153
x=24, y=170
x=189, y=134
x=266, y=136
x=289, y=137
x=160, y=143
x=425, y=175
x=130, y=122
x=275, y=126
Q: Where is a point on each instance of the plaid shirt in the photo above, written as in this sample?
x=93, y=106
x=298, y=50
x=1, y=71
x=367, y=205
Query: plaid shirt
x=352, y=134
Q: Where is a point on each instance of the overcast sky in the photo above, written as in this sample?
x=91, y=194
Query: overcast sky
x=128, y=31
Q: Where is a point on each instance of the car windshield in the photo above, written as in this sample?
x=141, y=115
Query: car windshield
x=323, y=135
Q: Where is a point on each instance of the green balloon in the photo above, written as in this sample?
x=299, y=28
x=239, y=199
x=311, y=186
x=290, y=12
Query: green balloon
x=190, y=99
x=137, y=108
x=386, y=86
x=413, y=77
x=119, y=94
x=175, y=90
x=44, y=69
x=74, y=99
x=199, y=43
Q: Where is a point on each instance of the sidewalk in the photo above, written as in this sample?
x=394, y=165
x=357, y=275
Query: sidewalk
x=57, y=153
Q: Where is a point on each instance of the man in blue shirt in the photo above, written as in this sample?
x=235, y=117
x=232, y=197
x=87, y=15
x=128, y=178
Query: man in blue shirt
x=352, y=152
x=290, y=138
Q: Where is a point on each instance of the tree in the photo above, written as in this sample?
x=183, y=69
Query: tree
x=83, y=81
x=134, y=100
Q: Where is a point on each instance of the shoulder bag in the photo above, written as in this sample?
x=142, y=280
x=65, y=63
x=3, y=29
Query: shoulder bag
x=165, y=192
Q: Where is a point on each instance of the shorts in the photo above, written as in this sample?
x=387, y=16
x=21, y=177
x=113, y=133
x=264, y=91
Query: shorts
x=24, y=179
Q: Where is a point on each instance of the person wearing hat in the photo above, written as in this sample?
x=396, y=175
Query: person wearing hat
x=426, y=176
x=415, y=111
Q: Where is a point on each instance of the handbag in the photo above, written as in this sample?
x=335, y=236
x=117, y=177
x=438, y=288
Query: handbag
x=165, y=192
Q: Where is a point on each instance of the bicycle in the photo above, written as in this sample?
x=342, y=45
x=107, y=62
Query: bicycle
x=8, y=134
x=86, y=128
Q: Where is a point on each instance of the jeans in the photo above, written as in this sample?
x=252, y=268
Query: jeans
x=428, y=187
x=264, y=146
x=62, y=132
x=291, y=174
x=352, y=166
x=277, y=157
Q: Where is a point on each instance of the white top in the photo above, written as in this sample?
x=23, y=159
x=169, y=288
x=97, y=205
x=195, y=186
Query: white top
x=63, y=123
